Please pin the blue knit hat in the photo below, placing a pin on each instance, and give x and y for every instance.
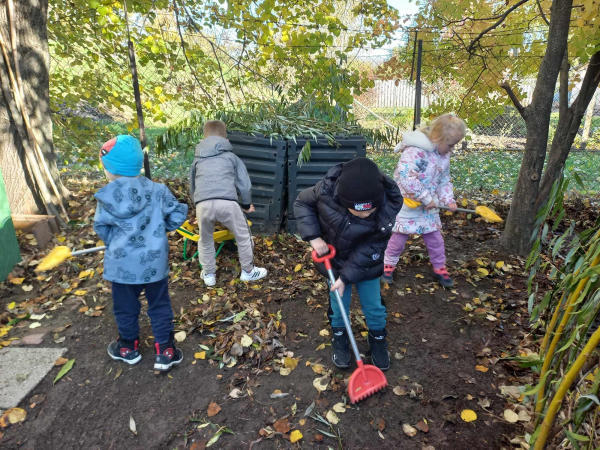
(123, 156)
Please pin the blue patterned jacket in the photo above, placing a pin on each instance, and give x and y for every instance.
(133, 216)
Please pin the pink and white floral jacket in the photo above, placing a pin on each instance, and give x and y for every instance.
(424, 175)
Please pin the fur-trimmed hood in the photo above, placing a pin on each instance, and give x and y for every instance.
(415, 139)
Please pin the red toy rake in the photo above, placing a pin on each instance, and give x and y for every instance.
(367, 379)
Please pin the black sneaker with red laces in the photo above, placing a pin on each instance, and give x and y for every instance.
(167, 356)
(124, 350)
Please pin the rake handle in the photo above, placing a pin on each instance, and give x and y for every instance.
(326, 259)
(88, 250)
(472, 211)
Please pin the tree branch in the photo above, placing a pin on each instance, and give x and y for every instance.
(200, 85)
(496, 24)
(513, 98)
(542, 12)
(563, 90)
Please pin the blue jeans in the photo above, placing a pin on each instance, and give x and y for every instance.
(127, 307)
(369, 292)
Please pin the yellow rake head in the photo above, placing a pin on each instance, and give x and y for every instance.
(488, 215)
(56, 256)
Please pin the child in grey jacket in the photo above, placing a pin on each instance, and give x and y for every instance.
(133, 216)
(216, 177)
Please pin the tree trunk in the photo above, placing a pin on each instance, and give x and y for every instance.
(519, 225)
(587, 125)
(30, 22)
(567, 129)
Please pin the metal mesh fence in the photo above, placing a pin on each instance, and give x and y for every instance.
(190, 67)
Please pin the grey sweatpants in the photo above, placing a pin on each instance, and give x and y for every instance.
(231, 216)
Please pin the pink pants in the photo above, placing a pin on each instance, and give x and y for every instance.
(435, 247)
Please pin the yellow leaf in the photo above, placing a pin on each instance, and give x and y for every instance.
(332, 417)
(499, 264)
(495, 192)
(481, 368)
(483, 272)
(180, 336)
(298, 268)
(419, 276)
(339, 408)
(511, 416)
(324, 332)
(80, 292)
(464, 202)
(295, 436)
(246, 341)
(27, 288)
(284, 372)
(364, 333)
(320, 347)
(12, 305)
(290, 363)
(200, 355)
(468, 415)
(268, 242)
(317, 368)
(61, 239)
(16, 415)
(86, 273)
(17, 280)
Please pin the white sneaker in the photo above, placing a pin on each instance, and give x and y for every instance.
(210, 279)
(255, 274)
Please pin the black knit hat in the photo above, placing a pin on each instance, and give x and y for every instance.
(360, 186)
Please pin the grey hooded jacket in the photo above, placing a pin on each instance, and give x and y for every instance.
(217, 173)
(133, 216)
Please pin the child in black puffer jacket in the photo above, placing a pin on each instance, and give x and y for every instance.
(354, 209)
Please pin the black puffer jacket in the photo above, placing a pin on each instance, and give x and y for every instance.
(360, 243)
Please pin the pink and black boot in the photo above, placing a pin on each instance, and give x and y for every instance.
(443, 277)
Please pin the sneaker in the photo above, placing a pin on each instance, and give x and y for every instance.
(126, 351)
(210, 279)
(443, 277)
(380, 356)
(167, 356)
(255, 274)
(388, 272)
(340, 348)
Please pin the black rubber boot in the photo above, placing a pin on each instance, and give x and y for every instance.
(126, 351)
(167, 355)
(380, 356)
(340, 348)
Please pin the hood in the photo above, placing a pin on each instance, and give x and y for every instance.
(126, 197)
(415, 139)
(212, 146)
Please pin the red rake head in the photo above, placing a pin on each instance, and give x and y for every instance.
(365, 381)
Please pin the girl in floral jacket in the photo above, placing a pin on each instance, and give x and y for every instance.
(423, 174)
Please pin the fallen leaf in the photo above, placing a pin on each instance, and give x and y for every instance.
(235, 393)
(332, 417)
(523, 416)
(132, 425)
(295, 436)
(61, 361)
(200, 355)
(12, 305)
(284, 371)
(468, 415)
(27, 288)
(282, 426)
(118, 374)
(17, 281)
(320, 347)
(445, 356)
(246, 341)
(484, 403)
(319, 437)
(483, 271)
(378, 424)
(419, 276)
(35, 325)
(408, 430)
(16, 415)
(380, 435)
(491, 318)
(422, 426)
(399, 391)
(86, 273)
(290, 363)
(213, 409)
(198, 445)
(482, 368)
(339, 408)
(320, 384)
(511, 416)
(318, 368)
(68, 366)
(298, 268)
(180, 336)
(80, 292)
(84, 309)
(499, 264)
(324, 332)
